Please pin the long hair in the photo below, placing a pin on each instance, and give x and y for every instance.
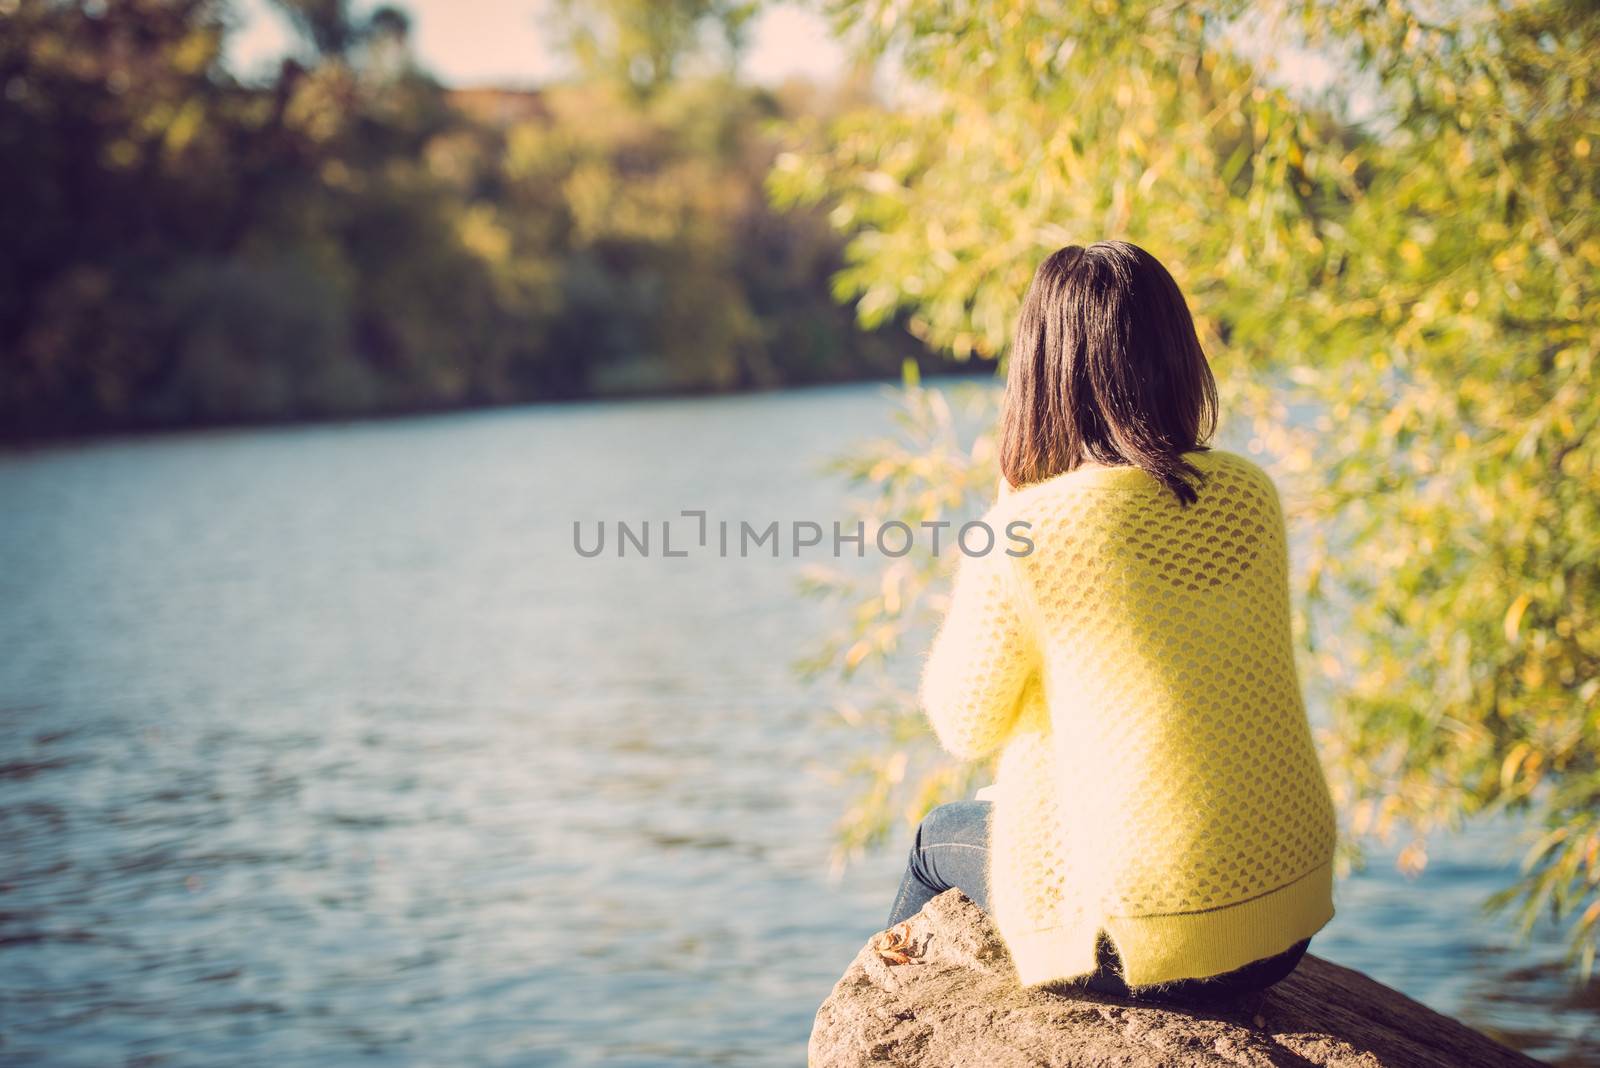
(1106, 368)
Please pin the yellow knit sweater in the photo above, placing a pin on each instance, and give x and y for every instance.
(1157, 777)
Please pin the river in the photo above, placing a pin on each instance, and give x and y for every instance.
(322, 745)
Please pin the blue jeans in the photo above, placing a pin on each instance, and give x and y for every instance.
(951, 852)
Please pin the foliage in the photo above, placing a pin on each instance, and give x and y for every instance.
(641, 44)
(934, 469)
(352, 238)
(1397, 289)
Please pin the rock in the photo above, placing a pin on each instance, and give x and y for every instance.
(957, 1003)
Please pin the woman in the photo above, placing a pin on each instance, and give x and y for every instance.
(1160, 824)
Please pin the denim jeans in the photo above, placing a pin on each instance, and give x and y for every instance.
(951, 852)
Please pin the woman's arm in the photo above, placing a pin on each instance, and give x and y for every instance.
(980, 659)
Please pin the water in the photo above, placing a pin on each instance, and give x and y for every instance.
(322, 745)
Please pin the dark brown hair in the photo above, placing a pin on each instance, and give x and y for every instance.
(1106, 367)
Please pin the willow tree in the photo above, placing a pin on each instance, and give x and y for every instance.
(1395, 279)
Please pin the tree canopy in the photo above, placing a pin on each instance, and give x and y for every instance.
(349, 237)
(1395, 279)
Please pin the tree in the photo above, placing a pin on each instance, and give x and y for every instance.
(1411, 277)
(351, 237)
(642, 44)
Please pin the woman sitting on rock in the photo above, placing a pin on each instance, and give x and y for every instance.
(1160, 825)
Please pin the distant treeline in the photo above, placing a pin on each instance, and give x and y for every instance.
(350, 238)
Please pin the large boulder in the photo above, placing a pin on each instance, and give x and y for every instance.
(950, 998)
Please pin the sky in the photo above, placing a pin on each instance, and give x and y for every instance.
(500, 42)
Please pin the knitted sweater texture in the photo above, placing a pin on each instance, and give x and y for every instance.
(1157, 778)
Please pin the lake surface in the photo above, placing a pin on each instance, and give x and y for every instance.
(323, 745)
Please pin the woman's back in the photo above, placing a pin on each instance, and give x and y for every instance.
(1174, 705)
(1158, 779)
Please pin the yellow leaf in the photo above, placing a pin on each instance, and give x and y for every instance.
(1413, 859)
(1513, 761)
(1514, 616)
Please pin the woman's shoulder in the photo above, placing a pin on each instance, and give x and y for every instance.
(1074, 498)
(1125, 478)
(1228, 458)
(1126, 486)
(1240, 466)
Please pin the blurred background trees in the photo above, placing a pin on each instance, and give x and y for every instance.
(352, 237)
(1395, 277)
